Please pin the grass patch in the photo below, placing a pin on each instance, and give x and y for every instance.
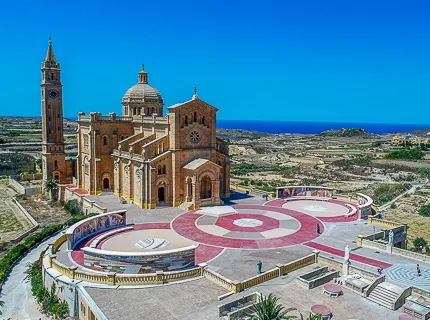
(386, 192)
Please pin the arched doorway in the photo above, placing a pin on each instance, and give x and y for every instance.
(206, 188)
(106, 184)
(161, 194)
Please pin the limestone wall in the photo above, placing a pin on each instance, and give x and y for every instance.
(139, 262)
(25, 190)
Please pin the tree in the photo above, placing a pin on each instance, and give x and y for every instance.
(425, 210)
(268, 308)
(420, 243)
(50, 186)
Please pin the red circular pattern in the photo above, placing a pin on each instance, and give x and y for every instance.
(227, 222)
(185, 225)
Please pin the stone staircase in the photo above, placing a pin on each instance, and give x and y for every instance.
(385, 294)
(186, 206)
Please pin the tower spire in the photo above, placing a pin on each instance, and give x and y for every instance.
(50, 56)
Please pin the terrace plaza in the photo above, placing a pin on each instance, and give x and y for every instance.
(169, 263)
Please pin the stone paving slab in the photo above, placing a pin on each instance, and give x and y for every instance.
(197, 299)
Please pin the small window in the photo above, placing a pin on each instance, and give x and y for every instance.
(195, 116)
(55, 164)
(186, 120)
(164, 169)
(159, 170)
(52, 76)
(203, 120)
(105, 142)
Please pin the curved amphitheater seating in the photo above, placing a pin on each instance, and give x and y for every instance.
(352, 211)
(103, 236)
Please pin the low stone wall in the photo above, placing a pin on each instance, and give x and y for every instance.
(281, 269)
(86, 205)
(394, 250)
(30, 218)
(225, 309)
(331, 263)
(25, 190)
(317, 277)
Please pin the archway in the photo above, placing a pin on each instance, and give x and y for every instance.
(205, 188)
(106, 184)
(161, 194)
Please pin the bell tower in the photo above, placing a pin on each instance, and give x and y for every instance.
(53, 155)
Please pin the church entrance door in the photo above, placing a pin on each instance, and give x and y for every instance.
(106, 183)
(161, 194)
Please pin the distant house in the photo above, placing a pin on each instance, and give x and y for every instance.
(409, 139)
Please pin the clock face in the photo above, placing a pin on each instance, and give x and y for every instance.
(195, 136)
(53, 94)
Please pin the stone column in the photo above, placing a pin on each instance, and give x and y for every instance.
(196, 194)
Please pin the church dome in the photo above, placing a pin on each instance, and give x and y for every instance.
(142, 92)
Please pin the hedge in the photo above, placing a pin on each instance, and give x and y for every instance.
(19, 250)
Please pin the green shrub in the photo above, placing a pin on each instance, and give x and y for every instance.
(425, 172)
(16, 252)
(50, 303)
(406, 154)
(386, 192)
(425, 210)
(420, 242)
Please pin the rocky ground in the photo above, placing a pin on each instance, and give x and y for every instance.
(348, 164)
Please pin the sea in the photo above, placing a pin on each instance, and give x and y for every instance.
(313, 127)
(316, 127)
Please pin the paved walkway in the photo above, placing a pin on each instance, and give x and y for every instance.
(352, 256)
(16, 293)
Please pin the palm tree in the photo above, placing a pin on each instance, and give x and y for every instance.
(50, 186)
(268, 308)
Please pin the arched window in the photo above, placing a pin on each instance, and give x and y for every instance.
(195, 116)
(55, 164)
(159, 169)
(164, 169)
(105, 141)
(186, 120)
(52, 76)
(203, 120)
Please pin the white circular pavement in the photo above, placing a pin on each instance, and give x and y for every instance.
(247, 223)
(317, 208)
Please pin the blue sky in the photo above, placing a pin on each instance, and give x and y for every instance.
(353, 61)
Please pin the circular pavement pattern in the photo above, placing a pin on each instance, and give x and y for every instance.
(317, 208)
(279, 227)
(247, 223)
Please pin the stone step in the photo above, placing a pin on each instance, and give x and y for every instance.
(380, 302)
(384, 292)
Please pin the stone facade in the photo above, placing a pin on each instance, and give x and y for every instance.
(144, 157)
(150, 160)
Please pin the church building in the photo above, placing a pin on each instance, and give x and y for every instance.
(143, 156)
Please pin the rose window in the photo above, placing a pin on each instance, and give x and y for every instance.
(195, 137)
